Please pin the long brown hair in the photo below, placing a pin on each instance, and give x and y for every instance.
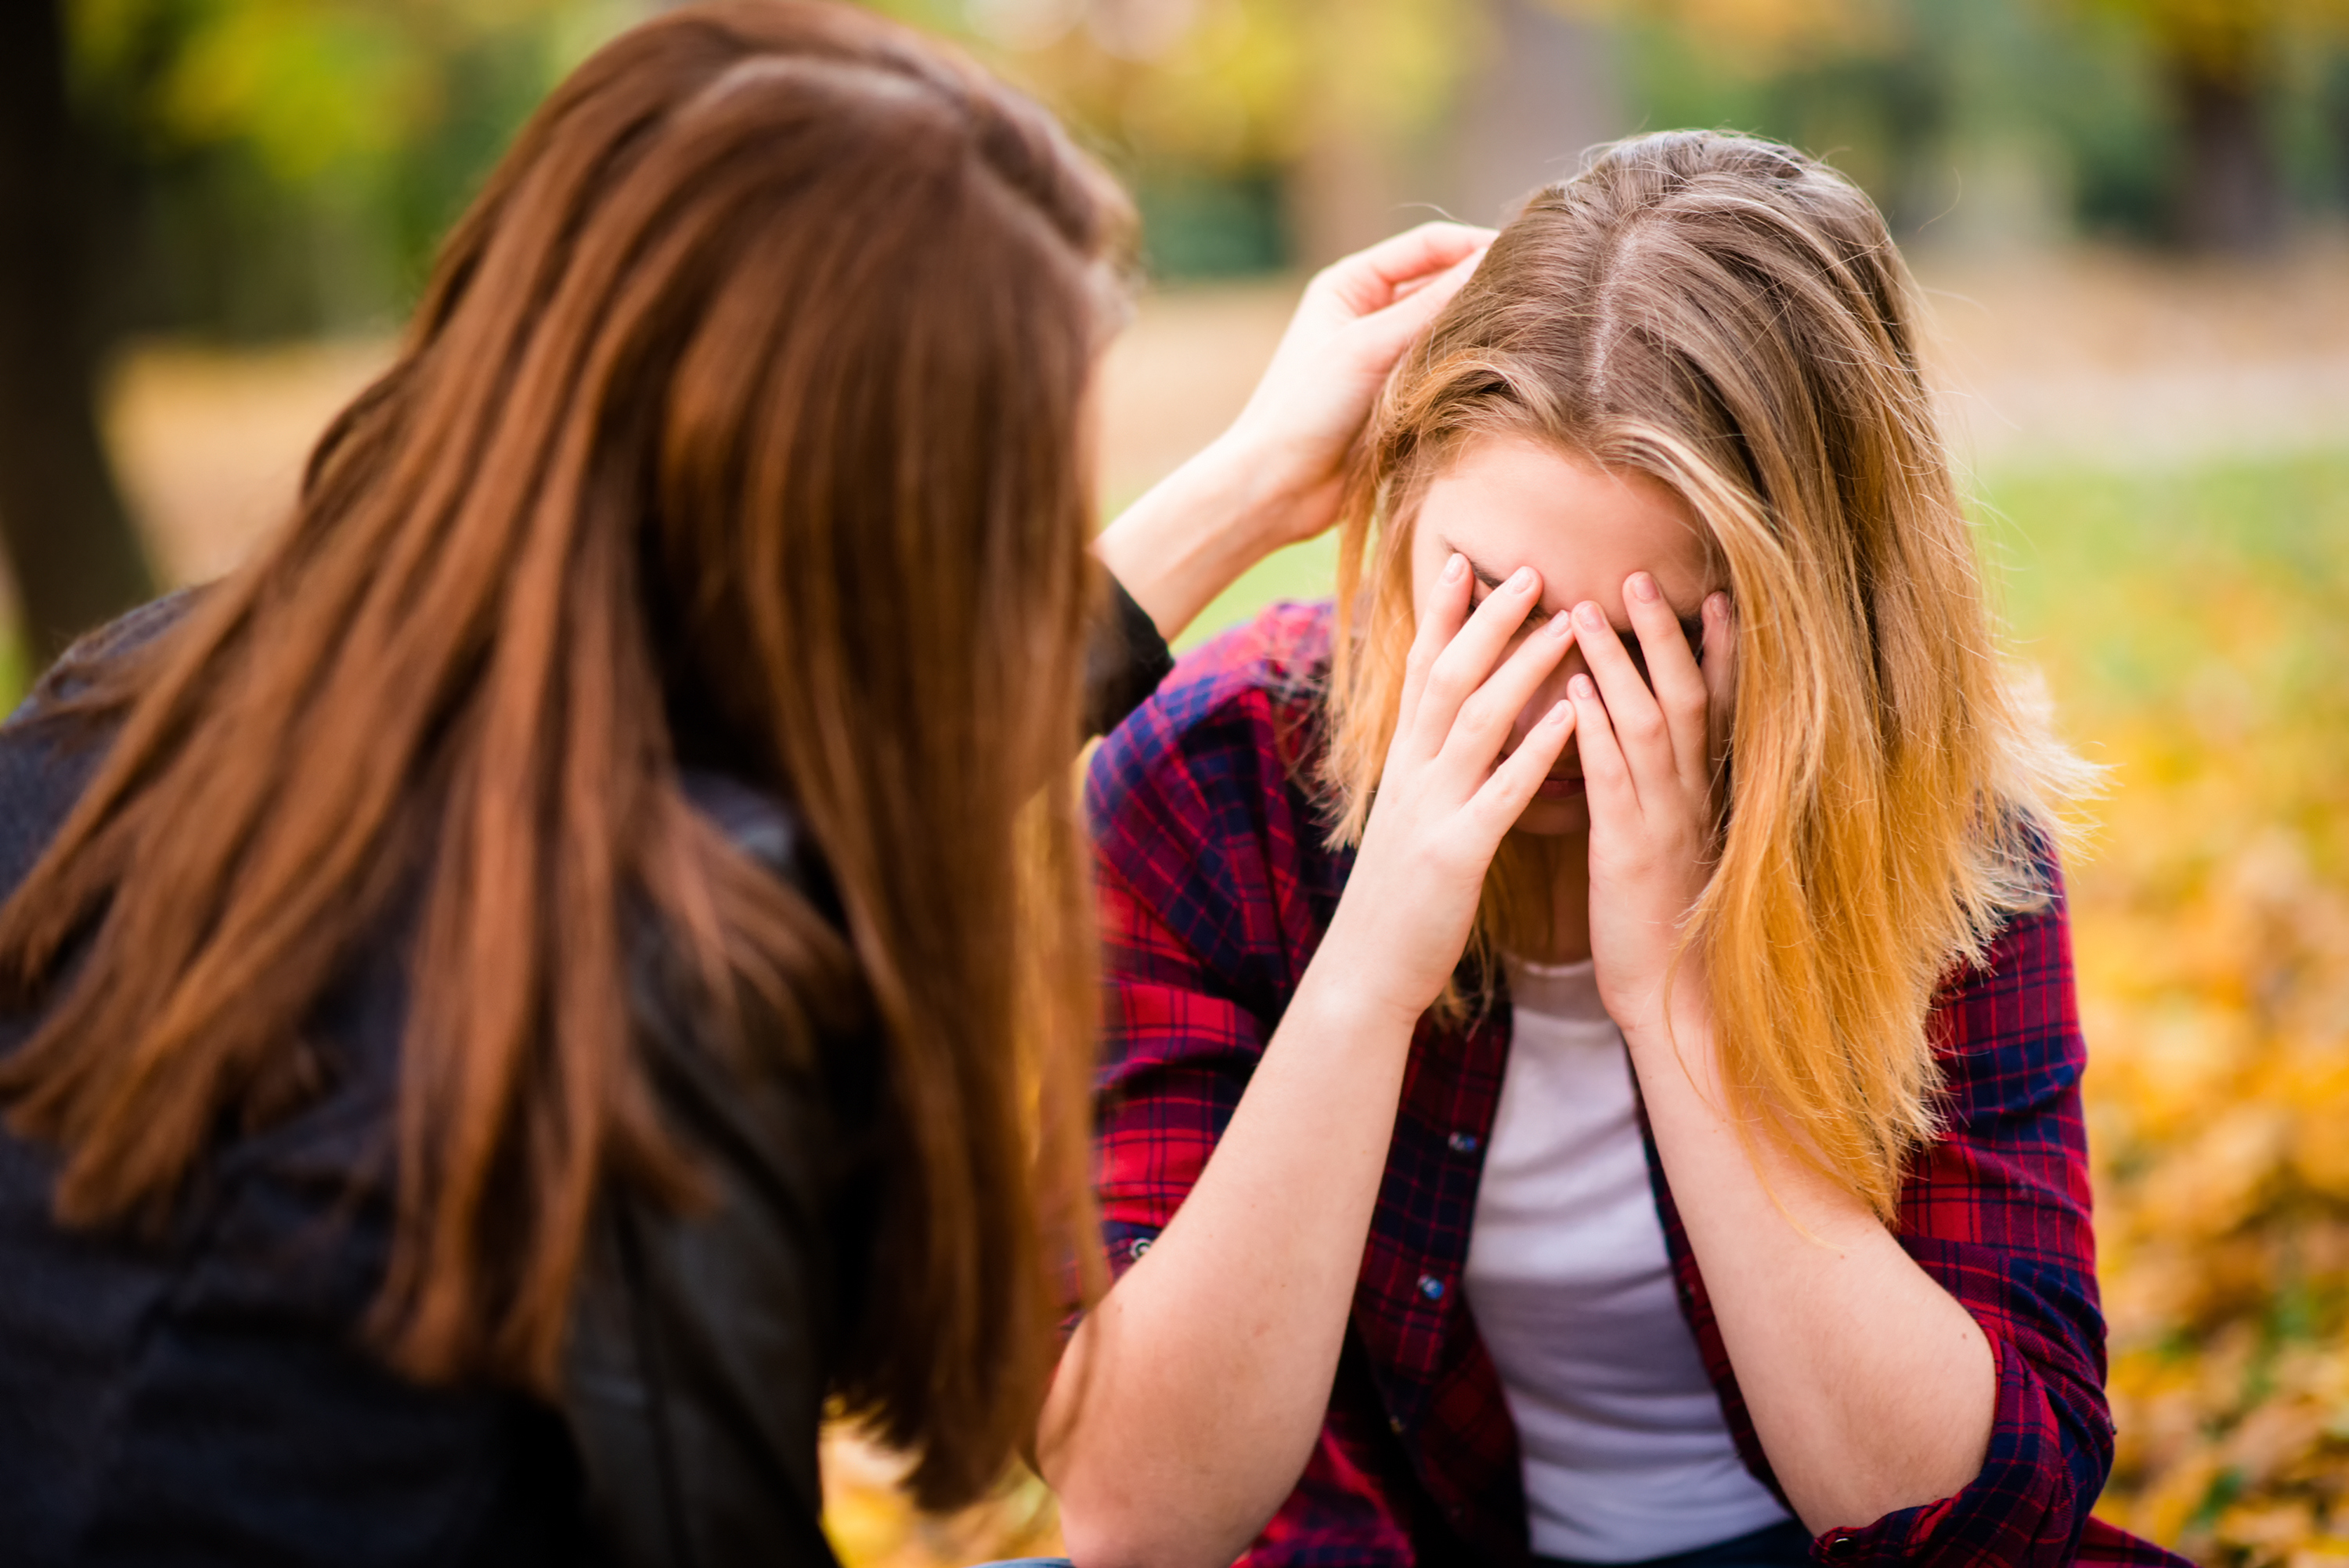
(1731, 317)
(752, 382)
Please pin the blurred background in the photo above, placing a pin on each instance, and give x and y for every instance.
(2132, 220)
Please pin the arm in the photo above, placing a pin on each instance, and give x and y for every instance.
(1996, 1213)
(1189, 1401)
(1276, 476)
(1873, 1388)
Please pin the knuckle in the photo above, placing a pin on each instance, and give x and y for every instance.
(1475, 711)
(1445, 678)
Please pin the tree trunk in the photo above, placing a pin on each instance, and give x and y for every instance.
(72, 554)
(2230, 198)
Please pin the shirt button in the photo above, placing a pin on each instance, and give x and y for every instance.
(1430, 1287)
(1462, 1142)
(1138, 1249)
(1840, 1545)
(1394, 1425)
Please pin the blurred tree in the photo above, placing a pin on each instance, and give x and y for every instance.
(289, 164)
(69, 546)
(220, 166)
(2220, 60)
(1208, 106)
(1768, 33)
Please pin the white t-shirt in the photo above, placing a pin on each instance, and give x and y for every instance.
(1626, 1453)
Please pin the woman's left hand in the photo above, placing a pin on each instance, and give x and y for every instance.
(1653, 776)
(1871, 1389)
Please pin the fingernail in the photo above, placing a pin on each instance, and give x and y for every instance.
(1581, 686)
(1560, 626)
(1716, 605)
(1521, 579)
(1643, 587)
(1559, 713)
(1590, 616)
(1454, 567)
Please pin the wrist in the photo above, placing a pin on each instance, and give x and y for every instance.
(1264, 475)
(1347, 1003)
(1674, 1026)
(1379, 962)
(1192, 534)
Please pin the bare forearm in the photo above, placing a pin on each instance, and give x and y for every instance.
(1188, 1402)
(1187, 1405)
(1871, 1389)
(1195, 532)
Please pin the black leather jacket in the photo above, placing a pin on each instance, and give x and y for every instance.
(203, 1397)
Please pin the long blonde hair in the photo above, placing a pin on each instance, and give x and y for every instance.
(1732, 317)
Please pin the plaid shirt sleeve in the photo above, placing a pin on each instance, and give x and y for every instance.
(1202, 877)
(1998, 1213)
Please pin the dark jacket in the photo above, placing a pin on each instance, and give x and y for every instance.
(205, 1395)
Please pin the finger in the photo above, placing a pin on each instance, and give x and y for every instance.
(1368, 280)
(1491, 711)
(1440, 621)
(1672, 674)
(1503, 798)
(1468, 660)
(1606, 776)
(1385, 334)
(1719, 680)
(1633, 717)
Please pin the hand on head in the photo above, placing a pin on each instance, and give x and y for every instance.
(1277, 475)
(1356, 317)
(1652, 764)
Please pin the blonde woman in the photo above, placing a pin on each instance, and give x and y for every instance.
(1592, 1068)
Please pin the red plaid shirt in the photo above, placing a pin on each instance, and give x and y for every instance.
(1216, 887)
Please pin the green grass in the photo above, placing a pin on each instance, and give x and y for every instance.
(2146, 589)
(12, 678)
(1306, 570)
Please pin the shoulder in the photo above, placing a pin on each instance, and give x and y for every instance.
(1237, 714)
(1209, 831)
(764, 827)
(49, 748)
(2007, 1029)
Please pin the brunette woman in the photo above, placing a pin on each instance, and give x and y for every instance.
(514, 999)
(1727, 1202)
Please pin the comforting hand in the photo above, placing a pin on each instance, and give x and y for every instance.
(1447, 795)
(1356, 317)
(1276, 476)
(1651, 770)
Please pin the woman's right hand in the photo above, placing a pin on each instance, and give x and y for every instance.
(1189, 1401)
(1276, 476)
(1448, 794)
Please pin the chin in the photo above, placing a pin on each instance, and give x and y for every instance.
(1555, 818)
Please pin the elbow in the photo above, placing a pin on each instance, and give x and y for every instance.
(1098, 1539)
(1123, 1533)
(1094, 1539)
